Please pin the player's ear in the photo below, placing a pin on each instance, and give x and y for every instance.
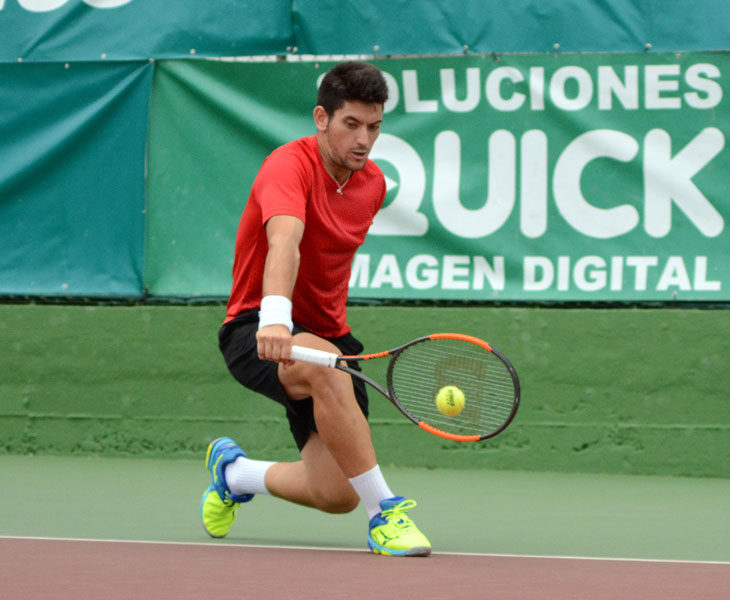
(321, 118)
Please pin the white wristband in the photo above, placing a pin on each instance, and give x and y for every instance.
(275, 310)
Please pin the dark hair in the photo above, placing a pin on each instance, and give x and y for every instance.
(351, 80)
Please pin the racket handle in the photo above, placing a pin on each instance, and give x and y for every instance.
(316, 357)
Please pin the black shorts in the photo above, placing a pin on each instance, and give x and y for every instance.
(237, 342)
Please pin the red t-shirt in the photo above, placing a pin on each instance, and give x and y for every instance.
(293, 181)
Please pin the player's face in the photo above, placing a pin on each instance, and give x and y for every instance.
(347, 137)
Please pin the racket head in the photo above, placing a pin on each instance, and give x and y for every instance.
(486, 378)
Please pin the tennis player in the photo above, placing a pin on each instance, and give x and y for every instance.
(308, 211)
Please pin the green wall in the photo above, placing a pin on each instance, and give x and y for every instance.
(604, 390)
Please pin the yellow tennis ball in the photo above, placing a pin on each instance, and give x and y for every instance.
(450, 400)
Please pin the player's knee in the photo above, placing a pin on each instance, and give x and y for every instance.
(331, 387)
(337, 503)
(341, 506)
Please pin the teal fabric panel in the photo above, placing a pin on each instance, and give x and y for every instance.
(399, 27)
(72, 188)
(41, 30)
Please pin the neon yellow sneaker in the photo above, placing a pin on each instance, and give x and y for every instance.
(218, 506)
(217, 516)
(393, 533)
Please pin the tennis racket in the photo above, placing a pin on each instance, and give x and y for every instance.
(422, 377)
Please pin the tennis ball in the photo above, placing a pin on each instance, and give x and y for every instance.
(450, 400)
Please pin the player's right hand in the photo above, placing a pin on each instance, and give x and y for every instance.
(274, 343)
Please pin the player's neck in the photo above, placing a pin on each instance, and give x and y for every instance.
(339, 174)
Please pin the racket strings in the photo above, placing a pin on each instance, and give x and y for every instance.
(421, 370)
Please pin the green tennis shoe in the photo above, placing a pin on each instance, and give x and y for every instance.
(218, 506)
(217, 516)
(393, 533)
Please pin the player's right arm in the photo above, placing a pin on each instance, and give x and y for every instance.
(284, 234)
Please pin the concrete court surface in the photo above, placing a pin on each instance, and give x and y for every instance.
(466, 511)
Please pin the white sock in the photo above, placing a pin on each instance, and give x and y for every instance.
(246, 476)
(372, 488)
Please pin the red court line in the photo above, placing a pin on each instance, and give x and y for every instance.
(60, 569)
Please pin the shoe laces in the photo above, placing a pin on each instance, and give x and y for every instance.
(397, 516)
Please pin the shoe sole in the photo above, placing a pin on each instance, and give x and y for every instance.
(415, 551)
(202, 502)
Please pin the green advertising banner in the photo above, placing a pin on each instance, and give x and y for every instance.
(512, 177)
(211, 126)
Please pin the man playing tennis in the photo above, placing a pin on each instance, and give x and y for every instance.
(308, 211)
